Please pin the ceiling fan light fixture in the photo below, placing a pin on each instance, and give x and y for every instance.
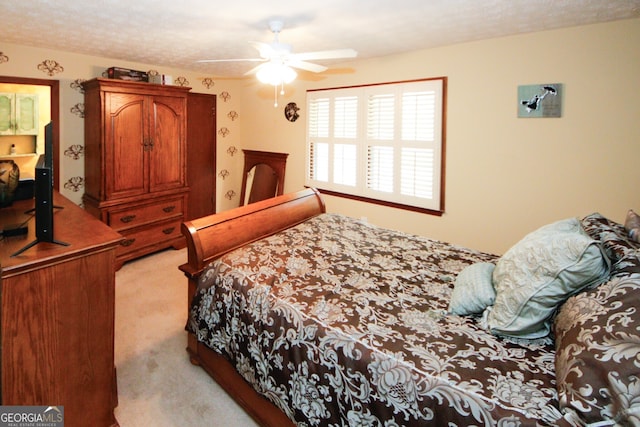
(278, 62)
(276, 74)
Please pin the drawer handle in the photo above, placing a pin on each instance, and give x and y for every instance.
(168, 230)
(168, 209)
(127, 242)
(127, 218)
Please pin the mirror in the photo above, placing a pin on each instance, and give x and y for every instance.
(263, 175)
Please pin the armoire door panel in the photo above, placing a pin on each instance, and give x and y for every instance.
(125, 136)
(167, 157)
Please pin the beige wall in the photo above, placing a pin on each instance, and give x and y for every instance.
(504, 176)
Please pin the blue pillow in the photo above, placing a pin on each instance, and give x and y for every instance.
(473, 290)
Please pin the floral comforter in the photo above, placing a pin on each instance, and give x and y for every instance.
(340, 323)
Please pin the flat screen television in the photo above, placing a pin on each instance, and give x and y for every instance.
(43, 194)
(43, 189)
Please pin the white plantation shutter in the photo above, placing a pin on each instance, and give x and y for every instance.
(417, 172)
(344, 164)
(318, 132)
(380, 169)
(345, 129)
(380, 134)
(418, 169)
(319, 165)
(418, 116)
(381, 142)
(319, 118)
(380, 117)
(346, 117)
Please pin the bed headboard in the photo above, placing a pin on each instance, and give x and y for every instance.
(212, 236)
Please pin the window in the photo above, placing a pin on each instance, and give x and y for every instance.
(381, 143)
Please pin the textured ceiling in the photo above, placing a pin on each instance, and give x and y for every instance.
(178, 33)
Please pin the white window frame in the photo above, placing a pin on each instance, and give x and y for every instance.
(330, 128)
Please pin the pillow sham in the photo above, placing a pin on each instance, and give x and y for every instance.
(473, 290)
(597, 360)
(632, 225)
(538, 274)
(613, 236)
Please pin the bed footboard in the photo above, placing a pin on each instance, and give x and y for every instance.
(209, 238)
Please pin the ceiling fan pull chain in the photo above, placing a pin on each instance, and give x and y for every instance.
(275, 96)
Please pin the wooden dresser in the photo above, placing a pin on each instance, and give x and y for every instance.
(135, 162)
(57, 330)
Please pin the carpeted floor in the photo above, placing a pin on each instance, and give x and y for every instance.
(157, 385)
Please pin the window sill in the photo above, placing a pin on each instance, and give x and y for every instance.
(381, 202)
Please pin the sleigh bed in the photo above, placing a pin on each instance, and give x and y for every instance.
(308, 318)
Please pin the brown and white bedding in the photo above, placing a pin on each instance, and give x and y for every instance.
(341, 323)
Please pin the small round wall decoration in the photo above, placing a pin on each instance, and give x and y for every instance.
(291, 112)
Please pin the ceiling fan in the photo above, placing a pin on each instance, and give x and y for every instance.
(278, 60)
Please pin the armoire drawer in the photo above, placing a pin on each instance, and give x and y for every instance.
(152, 212)
(153, 235)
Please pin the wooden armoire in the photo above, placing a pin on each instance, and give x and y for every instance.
(135, 162)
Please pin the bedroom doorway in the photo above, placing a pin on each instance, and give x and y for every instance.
(51, 88)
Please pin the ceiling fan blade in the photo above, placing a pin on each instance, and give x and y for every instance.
(327, 54)
(233, 60)
(308, 66)
(265, 49)
(254, 70)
